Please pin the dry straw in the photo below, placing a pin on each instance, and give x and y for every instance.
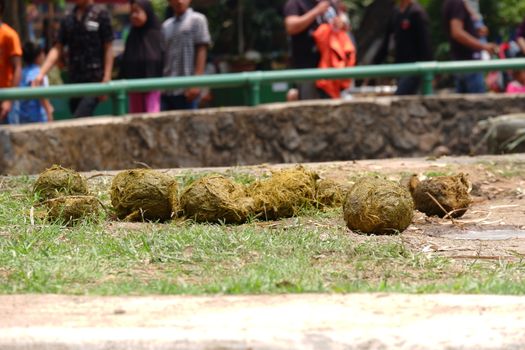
(284, 194)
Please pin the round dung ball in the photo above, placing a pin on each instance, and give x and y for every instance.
(330, 193)
(58, 181)
(378, 206)
(451, 192)
(215, 199)
(143, 194)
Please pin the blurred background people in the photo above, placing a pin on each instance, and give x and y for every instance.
(301, 19)
(143, 55)
(465, 44)
(336, 50)
(10, 61)
(88, 35)
(409, 26)
(35, 110)
(517, 84)
(187, 39)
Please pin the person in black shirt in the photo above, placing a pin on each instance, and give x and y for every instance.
(465, 43)
(301, 19)
(88, 35)
(410, 28)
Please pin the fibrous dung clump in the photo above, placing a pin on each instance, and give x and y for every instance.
(378, 206)
(284, 194)
(143, 194)
(72, 209)
(451, 192)
(330, 193)
(57, 181)
(215, 199)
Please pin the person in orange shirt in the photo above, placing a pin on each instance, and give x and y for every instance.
(10, 61)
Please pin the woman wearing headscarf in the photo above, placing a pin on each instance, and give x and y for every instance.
(143, 55)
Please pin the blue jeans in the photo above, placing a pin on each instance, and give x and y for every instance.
(83, 107)
(408, 85)
(470, 83)
(308, 91)
(170, 103)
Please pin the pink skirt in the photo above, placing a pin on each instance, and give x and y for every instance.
(144, 102)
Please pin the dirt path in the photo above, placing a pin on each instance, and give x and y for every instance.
(373, 321)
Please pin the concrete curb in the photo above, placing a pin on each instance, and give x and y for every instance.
(308, 321)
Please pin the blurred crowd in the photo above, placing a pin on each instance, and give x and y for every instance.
(320, 36)
(408, 32)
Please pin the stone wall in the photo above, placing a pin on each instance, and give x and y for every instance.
(296, 132)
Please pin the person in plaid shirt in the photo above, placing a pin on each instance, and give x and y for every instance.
(187, 39)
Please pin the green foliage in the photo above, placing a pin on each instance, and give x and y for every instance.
(502, 16)
(437, 173)
(439, 38)
(265, 27)
(356, 10)
(262, 24)
(160, 8)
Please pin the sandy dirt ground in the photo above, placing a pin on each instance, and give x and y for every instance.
(493, 228)
(358, 321)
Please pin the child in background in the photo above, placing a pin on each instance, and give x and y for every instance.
(517, 85)
(31, 111)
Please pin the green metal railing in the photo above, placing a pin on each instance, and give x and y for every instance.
(253, 80)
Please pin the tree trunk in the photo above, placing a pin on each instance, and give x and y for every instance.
(14, 15)
(373, 29)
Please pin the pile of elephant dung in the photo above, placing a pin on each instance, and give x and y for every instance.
(144, 194)
(330, 193)
(72, 209)
(216, 199)
(378, 206)
(284, 193)
(442, 195)
(57, 181)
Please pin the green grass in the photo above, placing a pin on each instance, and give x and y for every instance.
(310, 253)
(437, 173)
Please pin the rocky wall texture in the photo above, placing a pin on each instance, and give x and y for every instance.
(279, 133)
